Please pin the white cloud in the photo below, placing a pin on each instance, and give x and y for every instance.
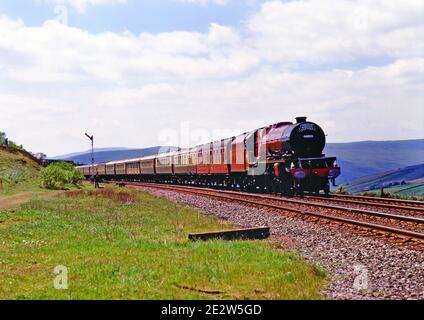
(58, 82)
(327, 30)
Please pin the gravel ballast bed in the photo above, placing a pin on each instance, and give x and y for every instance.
(354, 262)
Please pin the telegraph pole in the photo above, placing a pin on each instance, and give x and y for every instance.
(92, 154)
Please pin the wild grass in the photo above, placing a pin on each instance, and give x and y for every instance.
(125, 244)
(414, 192)
(17, 173)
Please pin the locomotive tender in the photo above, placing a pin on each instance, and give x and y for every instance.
(285, 158)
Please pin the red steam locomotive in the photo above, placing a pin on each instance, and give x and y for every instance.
(282, 158)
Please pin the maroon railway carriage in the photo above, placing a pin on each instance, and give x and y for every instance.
(204, 153)
(220, 164)
(147, 165)
(185, 164)
(100, 169)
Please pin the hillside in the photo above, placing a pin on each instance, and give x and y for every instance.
(17, 172)
(359, 159)
(409, 178)
(76, 154)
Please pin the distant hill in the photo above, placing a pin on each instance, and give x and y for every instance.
(358, 159)
(400, 179)
(114, 154)
(76, 154)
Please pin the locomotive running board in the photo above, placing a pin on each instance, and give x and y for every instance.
(242, 234)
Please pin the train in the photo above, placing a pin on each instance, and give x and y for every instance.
(285, 158)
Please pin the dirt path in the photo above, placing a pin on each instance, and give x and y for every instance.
(7, 202)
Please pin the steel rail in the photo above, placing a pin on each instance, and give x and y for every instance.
(368, 203)
(348, 196)
(222, 195)
(353, 210)
(322, 205)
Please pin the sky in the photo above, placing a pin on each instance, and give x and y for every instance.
(183, 72)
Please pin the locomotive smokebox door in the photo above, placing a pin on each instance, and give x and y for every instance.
(307, 140)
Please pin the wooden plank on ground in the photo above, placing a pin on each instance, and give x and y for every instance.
(242, 234)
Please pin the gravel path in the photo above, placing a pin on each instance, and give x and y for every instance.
(360, 267)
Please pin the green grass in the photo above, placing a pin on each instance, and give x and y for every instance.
(416, 190)
(131, 245)
(410, 191)
(17, 173)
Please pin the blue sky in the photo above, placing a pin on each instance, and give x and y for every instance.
(137, 15)
(185, 72)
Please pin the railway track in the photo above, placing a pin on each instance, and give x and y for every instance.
(406, 208)
(408, 228)
(381, 201)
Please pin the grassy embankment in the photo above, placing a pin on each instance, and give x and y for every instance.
(17, 173)
(125, 244)
(407, 192)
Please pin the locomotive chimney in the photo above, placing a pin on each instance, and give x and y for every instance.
(300, 119)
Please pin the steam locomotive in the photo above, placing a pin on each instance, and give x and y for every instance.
(282, 158)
